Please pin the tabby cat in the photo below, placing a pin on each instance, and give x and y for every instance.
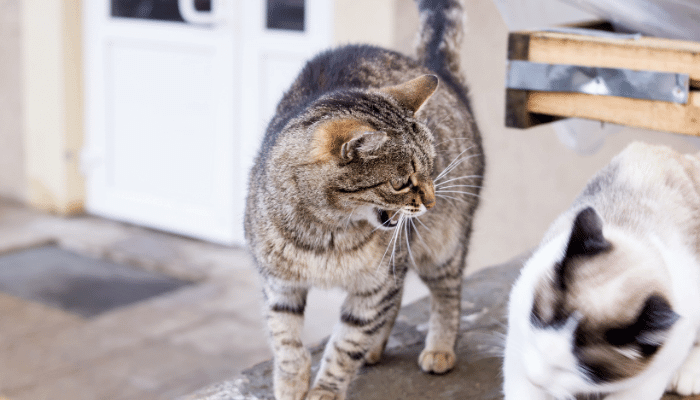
(609, 304)
(371, 165)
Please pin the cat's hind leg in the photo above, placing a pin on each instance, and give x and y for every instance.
(445, 284)
(686, 380)
(284, 313)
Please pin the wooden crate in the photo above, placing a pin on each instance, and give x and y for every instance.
(528, 108)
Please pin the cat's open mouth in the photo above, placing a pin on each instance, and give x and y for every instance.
(385, 219)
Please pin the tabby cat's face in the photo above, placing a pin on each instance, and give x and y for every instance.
(384, 172)
(379, 164)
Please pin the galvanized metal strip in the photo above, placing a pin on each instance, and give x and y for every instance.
(647, 85)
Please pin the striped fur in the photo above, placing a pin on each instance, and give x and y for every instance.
(608, 304)
(371, 166)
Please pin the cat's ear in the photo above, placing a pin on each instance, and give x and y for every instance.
(587, 235)
(650, 330)
(414, 93)
(362, 146)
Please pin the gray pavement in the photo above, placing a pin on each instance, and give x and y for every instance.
(397, 376)
(161, 348)
(476, 376)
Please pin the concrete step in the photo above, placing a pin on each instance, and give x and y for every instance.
(477, 375)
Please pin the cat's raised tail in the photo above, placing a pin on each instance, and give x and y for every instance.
(440, 36)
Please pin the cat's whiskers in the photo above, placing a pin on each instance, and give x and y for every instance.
(451, 165)
(392, 241)
(459, 186)
(457, 198)
(385, 224)
(396, 238)
(450, 197)
(458, 160)
(456, 191)
(439, 184)
(450, 169)
(415, 229)
(408, 244)
(424, 226)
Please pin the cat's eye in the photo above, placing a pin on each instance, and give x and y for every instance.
(401, 184)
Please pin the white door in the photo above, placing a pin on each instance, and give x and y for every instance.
(176, 102)
(273, 54)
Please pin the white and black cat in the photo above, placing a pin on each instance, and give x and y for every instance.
(609, 304)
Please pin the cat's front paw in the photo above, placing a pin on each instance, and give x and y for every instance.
(436, 361)
(686, 381)
(291, 389)
(375, 355)
(321, 394)
(291, 378)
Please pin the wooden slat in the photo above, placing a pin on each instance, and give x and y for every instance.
(525, 109)
(656, 115)
(517, 113)
(650, 54)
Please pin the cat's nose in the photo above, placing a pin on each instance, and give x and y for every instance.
(427, 195)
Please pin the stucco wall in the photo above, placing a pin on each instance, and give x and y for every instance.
(12, 181)
(364, 21)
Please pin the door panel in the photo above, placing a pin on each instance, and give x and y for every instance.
(176, 104)
(167, 112)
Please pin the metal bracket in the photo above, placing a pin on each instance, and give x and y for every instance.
(647, 85)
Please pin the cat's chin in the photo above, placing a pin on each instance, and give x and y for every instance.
(385, 220)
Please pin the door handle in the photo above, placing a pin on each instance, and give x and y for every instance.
(193, 16)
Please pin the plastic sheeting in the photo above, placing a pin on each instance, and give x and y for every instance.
(537, 14)
(673, 19)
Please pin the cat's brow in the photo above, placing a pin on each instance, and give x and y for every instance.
(361, 188)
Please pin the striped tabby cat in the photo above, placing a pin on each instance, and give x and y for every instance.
(371, 165)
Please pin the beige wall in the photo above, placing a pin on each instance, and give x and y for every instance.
(12, 181)
(52, 92)
(531, 176)
(364, 21)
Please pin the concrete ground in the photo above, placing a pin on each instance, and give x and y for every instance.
(160, 348)
(477, 375)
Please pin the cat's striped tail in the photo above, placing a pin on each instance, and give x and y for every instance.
(440, 36)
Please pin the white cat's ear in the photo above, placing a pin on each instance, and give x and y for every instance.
(587, 235)
(363, 146)
(414, 93)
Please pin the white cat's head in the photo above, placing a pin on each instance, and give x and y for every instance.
(589, 313)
